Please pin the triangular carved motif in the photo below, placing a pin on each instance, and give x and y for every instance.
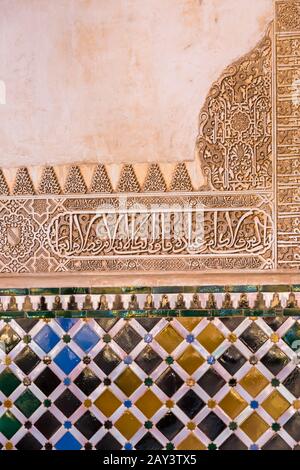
(4, 191)
(100, 181)
(49, 183)
(154, 180)
(75, 183)
(23, 185)
(128, 182)
(181, 180)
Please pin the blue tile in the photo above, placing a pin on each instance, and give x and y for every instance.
(66, 323)
(68, 442)
(46, 338)
(86, 338)
(67, 360)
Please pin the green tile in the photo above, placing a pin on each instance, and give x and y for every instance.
(210, 289)
(136, 290)
(44, 291)
(168, 290)
(106, 290)
(27, 403)
(9, 424)
(14, 292)
(8, 382)
(275, 288)
(74, 290)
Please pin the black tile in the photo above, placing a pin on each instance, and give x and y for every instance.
(107, 360)
(8, 339)
(232, 323)
(87, 381)
(191, 404)
(148, 360)
(148, 442)
(47, 381)
(292, 382)
(274, 322)
(275, 360)
(106, 323)
(148, 323)
(27, 360)
(253, 337)
(232, 360)
(28, 442)
(127, 338)
(88, 424)
(233, 443)
(26, 323)
(292, 427)
(169, 426)
(276, 443)
(108, 442)
(211, 382)
(67, 403)
(212, 426)
(169, 382)
(47, 424)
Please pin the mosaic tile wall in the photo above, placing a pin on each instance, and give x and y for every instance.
(149, 383)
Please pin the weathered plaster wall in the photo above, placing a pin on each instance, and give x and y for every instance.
(114, 80)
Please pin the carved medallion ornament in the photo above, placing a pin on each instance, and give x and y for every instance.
(246, 215)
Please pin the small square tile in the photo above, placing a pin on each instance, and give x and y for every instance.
(47, 424)
(87, 381)
(88, 424)
(169, 382)
(233, 404)
(127, 338)
(212, 426)
(107, 360)
(211, 382)
(232, 360)
(86, 338)
(169, 339)
(254, 426)
(254, 337)
(67, 403)
(191, 404)
(27, 360)
(128, 425)
(67, 360)
(148, 360)
(47, 381)
(46, 338)
(169, 425)
(275, 404)
(128, 381)
(275, 360)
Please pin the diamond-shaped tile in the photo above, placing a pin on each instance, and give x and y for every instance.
(106, 323)
(211, 382)
(254, 426)
(46, 338)
(26, 323)
(9, 424)
(191, 404)
(253, 337)
(148, 403)
(169, 382)
(212, 426)
(189, 323)
(232, 323)
(254, 382)
(233, 443)
(28, 442)
(210, 338)
(8, 382)
(169, 339)
(47, 381)
(68, 442)
(27, 360)
(191, 442)
(148, 323)
(128, 381)
(275, 322)
(107, 403)
(292, 336)
(67, 402)
(107, 360)
(233, 404)
(47, 424)
(275, 360)
(108, 442)
(86, 338)
(232, 360)
(87, 381)
(292, 426)
(127, 338)
(148, 360)
(128, 425)
(275, 404)
(8, 339)
(190, 360)
(67, 360)
(169, 425)
(88, 424)
(27, 403)
(66, 323)
(276, 443)
(148, 442)
(292, 382)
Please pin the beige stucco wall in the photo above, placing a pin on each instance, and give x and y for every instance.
(114, 80)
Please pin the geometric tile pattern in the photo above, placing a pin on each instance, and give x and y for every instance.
(149, 383)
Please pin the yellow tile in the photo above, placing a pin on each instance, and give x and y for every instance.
(148, 404)
(210, 338)
(128, 425)
(254, 382)
(108, 403)
(191, 442)
(233, 404)
(190, 360)
(128, 381)
(169, 338)
(189, 323)
(254, 426)
(275, 404)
